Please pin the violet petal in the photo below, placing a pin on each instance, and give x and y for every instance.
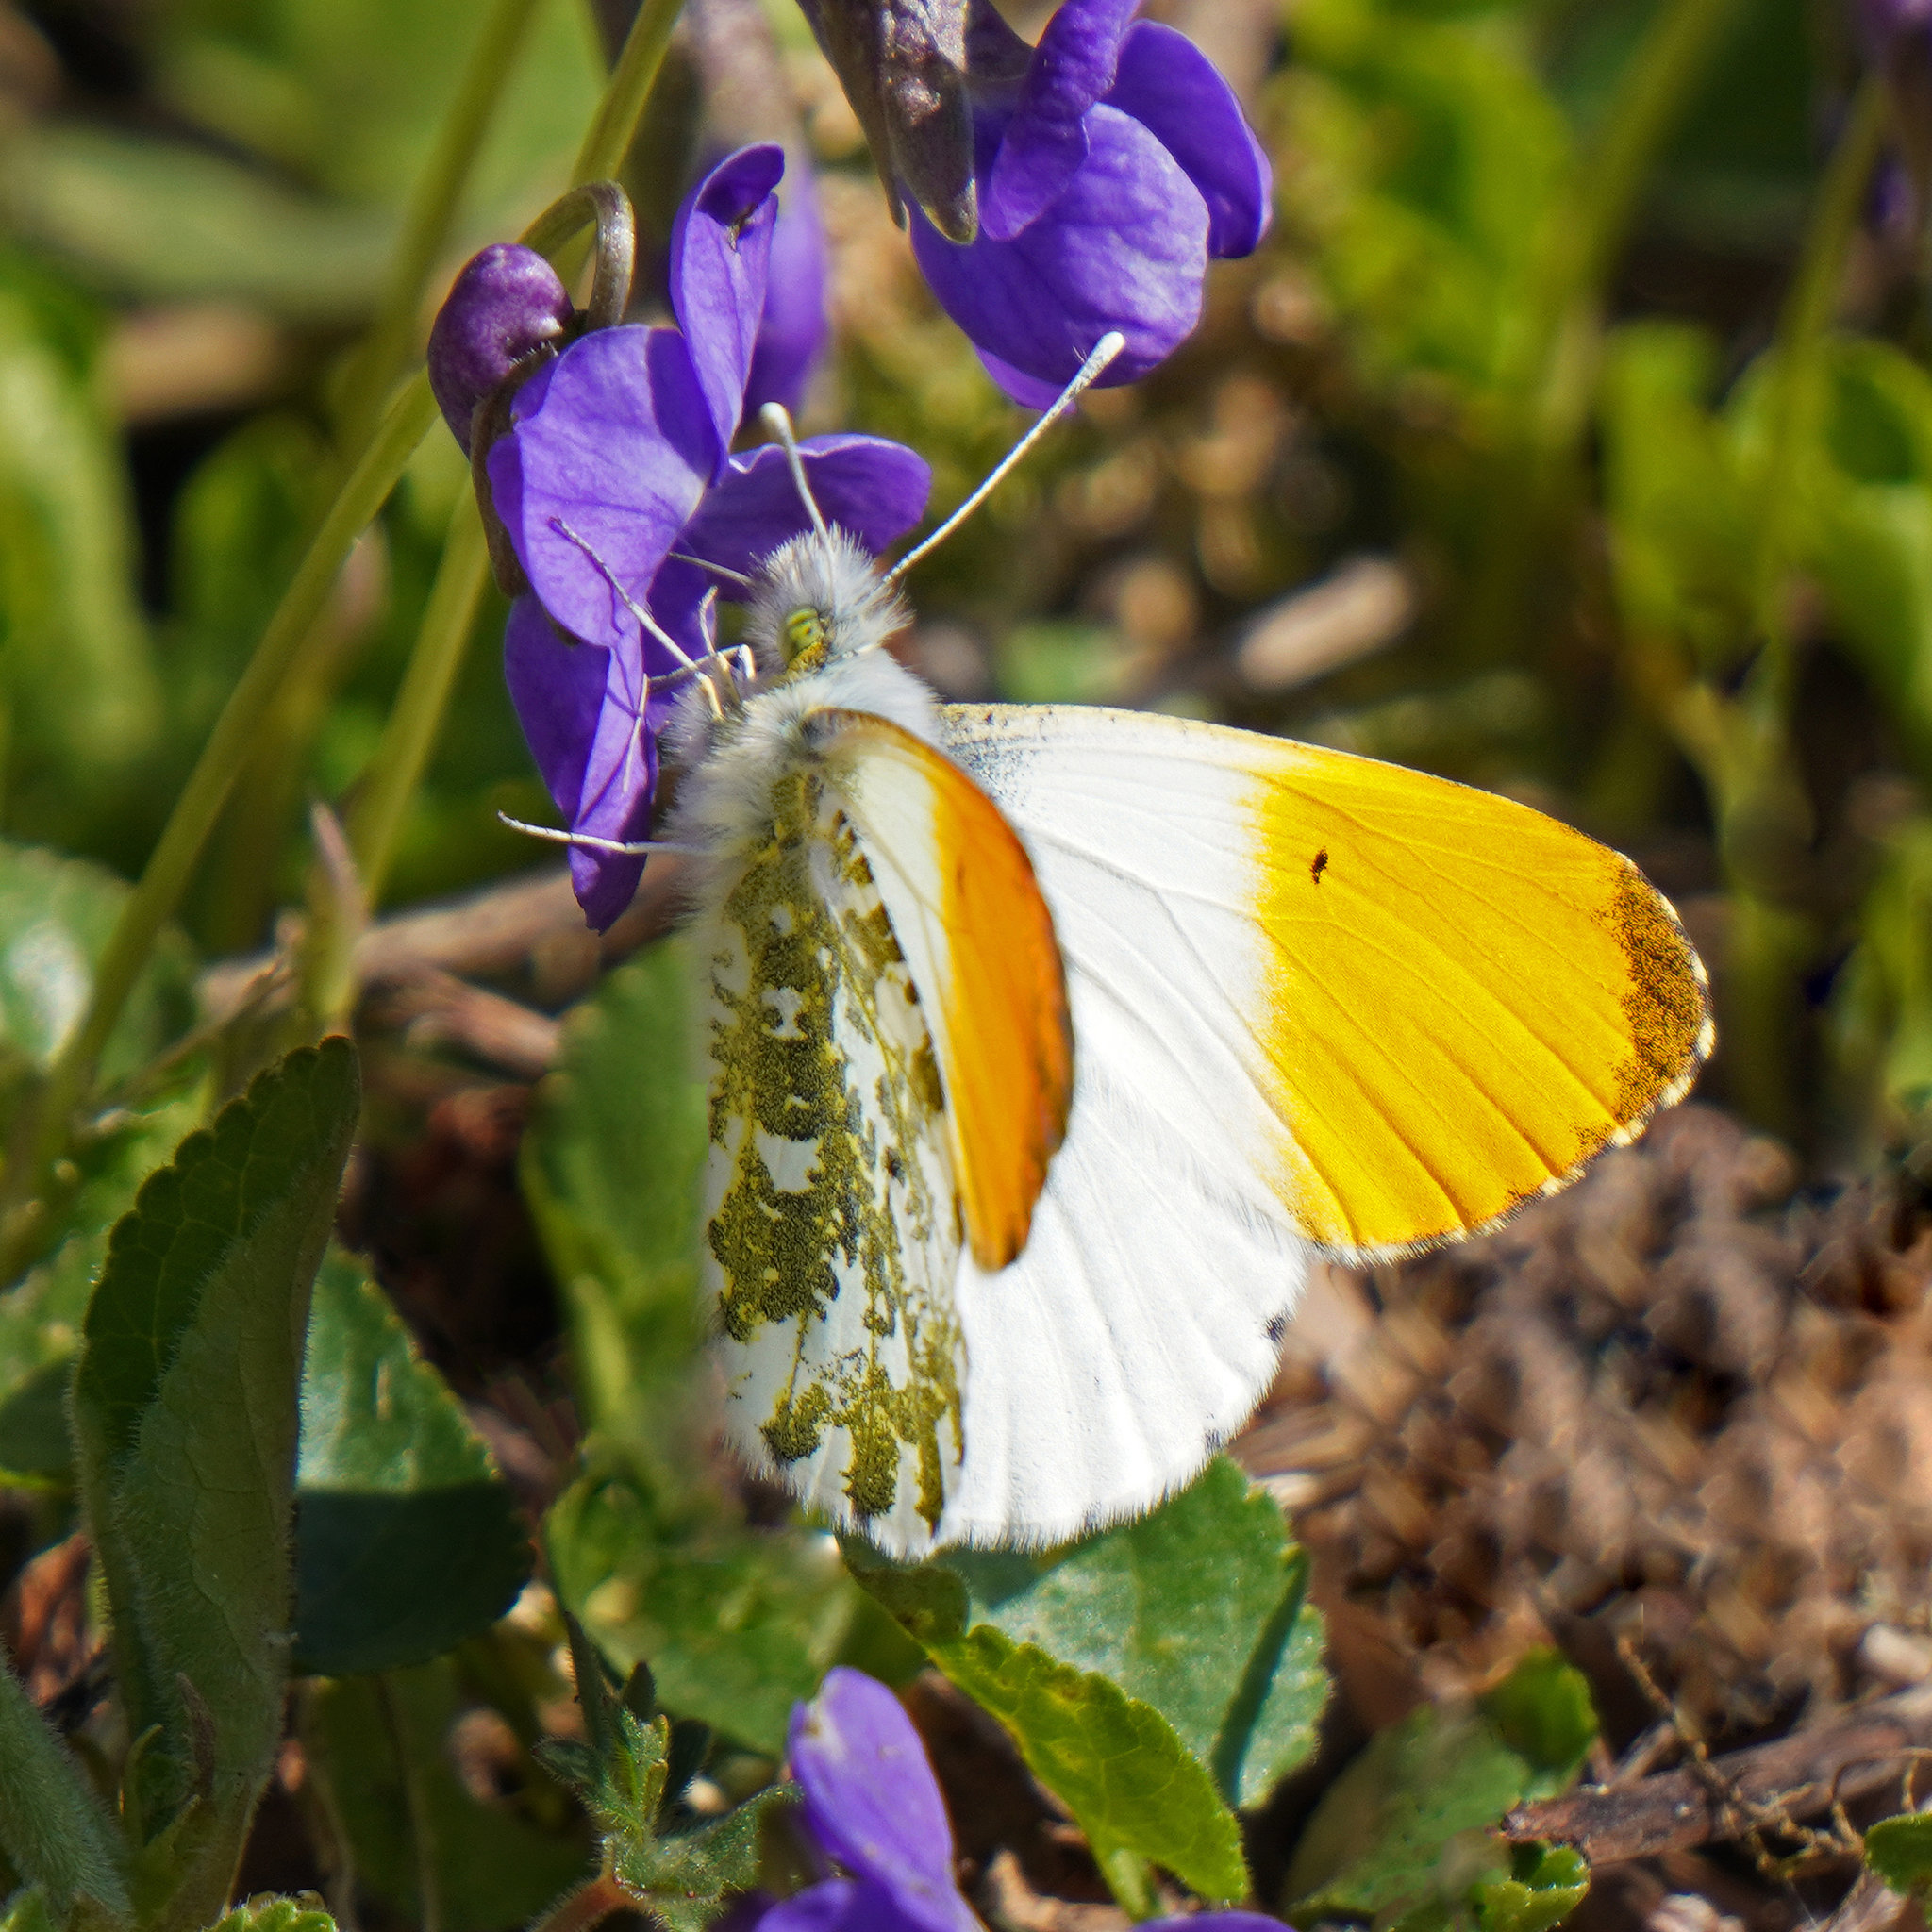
(1167, 85)
(578, 706)
(1125, 247)
(874, 489)
(996, 56)
(1217, 1921)
(871, 1799)
(1045, 142)
(504, 304)
(838, 1905)
(1028, 390)
(721, 250)
(793, 328)
(613, 443)
(558, 690)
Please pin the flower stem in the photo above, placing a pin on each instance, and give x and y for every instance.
(428, 219)
(364, 490)
(1553, 373)
(1763, 814)
(578, 1910)
(228, 748)
(374, 818)
(608, 137)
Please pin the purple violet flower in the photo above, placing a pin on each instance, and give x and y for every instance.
(618, 456)
(872, 1806)
(1112, 160)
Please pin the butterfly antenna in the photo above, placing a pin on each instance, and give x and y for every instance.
(736, 577)
(778, 419)
(1108, 346)
(641, 848)
(644, 617)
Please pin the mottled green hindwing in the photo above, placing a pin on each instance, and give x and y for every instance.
(834, 1219)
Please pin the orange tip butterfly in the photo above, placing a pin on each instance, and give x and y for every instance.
(1049, 1045)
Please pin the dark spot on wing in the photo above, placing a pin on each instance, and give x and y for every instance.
(1320, 866)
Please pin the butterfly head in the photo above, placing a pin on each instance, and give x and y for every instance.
(820, 598)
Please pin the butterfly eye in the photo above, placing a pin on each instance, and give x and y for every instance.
(803, 639)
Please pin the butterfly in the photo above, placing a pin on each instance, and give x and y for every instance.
(1049, 1047)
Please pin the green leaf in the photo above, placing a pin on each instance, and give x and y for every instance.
(1117, 1763)
(28, 1911)
(270, 1913)
(55, 915)
(186, 1419)
(686, 1877)
(1236, 1670)
(76, 668)
(627, 1777)
(381, 1749)
(1409, 1820)
(736, 1624)
(51, 1827)
(1899, 1851)
(1544, 1711)
(40, 1315)
(611, 1167)
(1547, 1885)
(1114, 1762)
(164, 221)
(407, 1542)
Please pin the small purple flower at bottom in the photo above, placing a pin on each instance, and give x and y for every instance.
(1112, 160)
(871, 1805)
(616, 487)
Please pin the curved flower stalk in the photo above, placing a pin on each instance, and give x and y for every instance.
(873, 1807)
(1111, 163)
(616, 489)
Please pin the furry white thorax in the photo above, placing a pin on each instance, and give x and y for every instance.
(728, 765)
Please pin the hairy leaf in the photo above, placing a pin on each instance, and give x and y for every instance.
(270, 1913)
(51, 1827)
(185, 1411)
(407, 1542)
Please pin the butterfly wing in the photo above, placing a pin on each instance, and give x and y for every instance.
(892, 1071)
(1321, 1003)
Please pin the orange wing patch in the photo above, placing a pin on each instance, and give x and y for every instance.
(1002, 1031)
(1465, 1000)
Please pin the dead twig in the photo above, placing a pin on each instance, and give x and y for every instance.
(1796, 1776)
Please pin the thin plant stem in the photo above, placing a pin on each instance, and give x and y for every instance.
(375, 819)
(428, 217)
(1803, 326)
(608, 136)
(171, 865)
(588, 1906)
(1554, 368)
(1760, 806)
(415, 1806)
(153, 902)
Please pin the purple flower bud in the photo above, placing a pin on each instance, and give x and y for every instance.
(507, 303)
